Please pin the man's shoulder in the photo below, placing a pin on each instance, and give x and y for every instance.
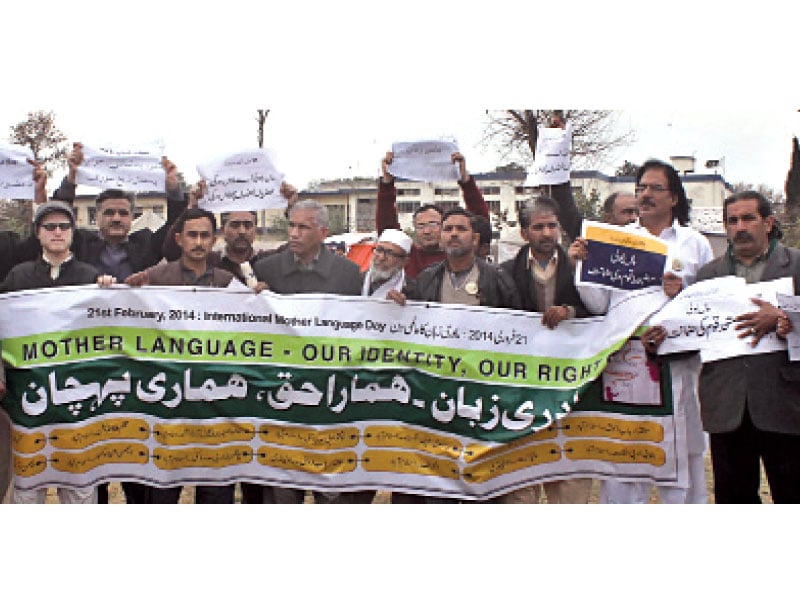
(712, 268)
(164, 268)
(221, 276)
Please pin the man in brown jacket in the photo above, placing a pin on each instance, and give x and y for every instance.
(195, 236)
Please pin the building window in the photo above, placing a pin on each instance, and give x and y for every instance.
(408, 206)
(408, 192)
(446, 191)
(92, 215)
(491, 190)
(445, 206)
(494, 206)
(158, 211)
(527, 189)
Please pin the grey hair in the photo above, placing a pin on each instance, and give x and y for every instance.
(321, 217)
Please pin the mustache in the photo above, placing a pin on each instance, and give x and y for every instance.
(647, 202)
(743, 236)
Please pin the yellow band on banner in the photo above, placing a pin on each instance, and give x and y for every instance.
(629, 240)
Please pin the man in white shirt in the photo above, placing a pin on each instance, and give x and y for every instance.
(664, 213)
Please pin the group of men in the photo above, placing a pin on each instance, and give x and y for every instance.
(749, 405)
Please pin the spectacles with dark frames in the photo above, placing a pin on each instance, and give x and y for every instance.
(54, 226)
(654, 187)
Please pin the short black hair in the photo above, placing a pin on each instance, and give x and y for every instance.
(114, 194)
(190, 214)
(764, 209)
(535, 205)
(458, 210)
(227, 215)
(608, 205)
(425, 207)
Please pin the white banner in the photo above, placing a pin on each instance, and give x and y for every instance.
(424, 161)
(172, 385)
(791, 306)
(703, 316)
(16, 174)
(246, 180)
(133, 169)
(552, 162)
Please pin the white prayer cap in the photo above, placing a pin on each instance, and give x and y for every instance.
(395, 236)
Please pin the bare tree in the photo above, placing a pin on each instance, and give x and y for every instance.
(39, 133)
(514, 132)
(261, 118)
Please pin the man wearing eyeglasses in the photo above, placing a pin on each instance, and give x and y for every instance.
(426, 250)
(113, 250)
(54, 225)
(389, 257)
(664, 213)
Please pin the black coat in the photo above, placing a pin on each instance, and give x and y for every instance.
(35, 274)
(767, 384)
(495, 287)
(566, 294)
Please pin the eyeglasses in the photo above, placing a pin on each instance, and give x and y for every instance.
(381, 251)
(238, 224)
(54, 226)
(655, 188)
(110, 212)
(427, 224)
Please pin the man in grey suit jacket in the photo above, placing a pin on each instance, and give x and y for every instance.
(750, 404)
(306, 266)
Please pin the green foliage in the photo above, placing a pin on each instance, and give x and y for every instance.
(592, 207)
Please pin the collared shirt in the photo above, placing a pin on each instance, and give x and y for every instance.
(753, 272)
(203, 280)
(309, 266)
(688, 250)
(544, 280)
(114, 260)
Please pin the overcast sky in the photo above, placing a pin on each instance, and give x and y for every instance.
(341, 86)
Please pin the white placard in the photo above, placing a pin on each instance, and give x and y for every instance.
(16, 174)
(133, 168)
(702, 317)
(552, 162)
(427, 160)
(791, 306)
(246, 180)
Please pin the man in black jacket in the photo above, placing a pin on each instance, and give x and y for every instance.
(545, 279)
(461, 279)
(56, 267)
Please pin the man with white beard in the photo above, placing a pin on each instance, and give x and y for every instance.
(389, 258)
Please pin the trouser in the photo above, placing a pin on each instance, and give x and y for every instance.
(138, 493)
(564, 491)
(65, 496)
(736, 458)
(5, 454)
(255, 493)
